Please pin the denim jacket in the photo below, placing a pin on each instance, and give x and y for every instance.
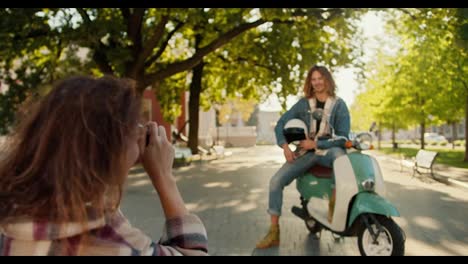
(339, 121)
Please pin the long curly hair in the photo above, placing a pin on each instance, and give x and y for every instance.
(329, 82)
(69, 153)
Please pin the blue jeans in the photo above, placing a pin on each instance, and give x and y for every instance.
(290, 171)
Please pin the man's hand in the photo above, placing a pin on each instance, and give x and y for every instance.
(308, 144)
(288, 154)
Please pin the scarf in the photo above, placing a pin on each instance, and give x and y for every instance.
(325, 128)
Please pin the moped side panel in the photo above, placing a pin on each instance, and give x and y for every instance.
(366, 167)
(367, 202)
(310, 186)
(379, 181)
(362, 167)
(346, 189)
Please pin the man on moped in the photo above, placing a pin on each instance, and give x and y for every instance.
(319, 90)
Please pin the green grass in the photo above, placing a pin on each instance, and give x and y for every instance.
(446, 156)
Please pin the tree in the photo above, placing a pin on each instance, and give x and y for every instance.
(33, 57)
(271, 56)
(138, 43)
(385, 97)
(147, 45)
(439, 59)
(428, 74)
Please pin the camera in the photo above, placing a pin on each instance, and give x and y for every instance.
(147, 137)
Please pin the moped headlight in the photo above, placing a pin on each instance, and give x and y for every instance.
(363, 141)
(368, 185)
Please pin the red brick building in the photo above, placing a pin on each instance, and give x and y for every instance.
(152, 111)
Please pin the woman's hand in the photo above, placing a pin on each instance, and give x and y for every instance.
(158, 156)
(308, 144)
(288, 154)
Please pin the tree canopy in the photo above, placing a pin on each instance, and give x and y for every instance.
(424, 81)
(252, 49)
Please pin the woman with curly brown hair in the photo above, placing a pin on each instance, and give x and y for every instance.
(62, 176)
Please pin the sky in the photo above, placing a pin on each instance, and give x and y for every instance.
(347, 87)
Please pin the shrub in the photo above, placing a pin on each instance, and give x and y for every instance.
(459, 143)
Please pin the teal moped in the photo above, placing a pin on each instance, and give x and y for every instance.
(348, 200)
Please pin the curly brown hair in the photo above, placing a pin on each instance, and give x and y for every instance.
(69, 153)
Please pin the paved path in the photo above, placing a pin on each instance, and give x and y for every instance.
(230, 196)
(446, 174)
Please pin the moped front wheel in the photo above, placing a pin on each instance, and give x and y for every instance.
(389, 242)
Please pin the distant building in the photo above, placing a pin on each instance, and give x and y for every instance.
(152, 111)
(266, 122)
(233, 134)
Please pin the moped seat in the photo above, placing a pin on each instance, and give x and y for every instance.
(321, 171)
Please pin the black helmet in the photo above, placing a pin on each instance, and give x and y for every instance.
(295, 130)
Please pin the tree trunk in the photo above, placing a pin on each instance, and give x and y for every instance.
(394, 146)
(454, 134)
(466, 129)
(379, 136)
(139, 86)
(194, 106)
(423, 130)
(217, 125)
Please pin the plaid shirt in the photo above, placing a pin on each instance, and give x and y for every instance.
(110, 235)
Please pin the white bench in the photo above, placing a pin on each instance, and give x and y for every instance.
(424, 159)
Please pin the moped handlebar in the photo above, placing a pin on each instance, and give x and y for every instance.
(361, 142)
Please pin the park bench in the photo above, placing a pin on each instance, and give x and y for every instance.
(424, 159)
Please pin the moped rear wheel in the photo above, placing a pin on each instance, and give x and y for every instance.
(390, 242)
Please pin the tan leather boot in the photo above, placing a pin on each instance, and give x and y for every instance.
(271, 239)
